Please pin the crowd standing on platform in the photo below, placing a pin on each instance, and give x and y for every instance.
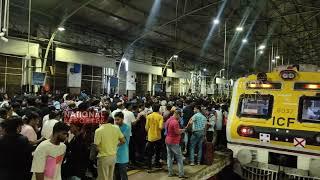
(48, 137)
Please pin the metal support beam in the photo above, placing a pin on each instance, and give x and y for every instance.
(56, 31)
(136, 23)
(141, 25)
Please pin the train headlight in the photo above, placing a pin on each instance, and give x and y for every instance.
(244, 156)
(288, 74)
(245, 131)
(317, 138)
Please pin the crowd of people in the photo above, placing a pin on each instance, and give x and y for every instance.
(39, 142)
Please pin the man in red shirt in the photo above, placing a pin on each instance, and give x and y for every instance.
(173, 143)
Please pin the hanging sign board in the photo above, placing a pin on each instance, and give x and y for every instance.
(113, 82)
(38, 78)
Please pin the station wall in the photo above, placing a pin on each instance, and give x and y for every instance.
(93, 76)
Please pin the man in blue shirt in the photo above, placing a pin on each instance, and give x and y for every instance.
(198, 122)
(123, 150)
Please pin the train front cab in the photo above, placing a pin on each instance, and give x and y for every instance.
(273, 126)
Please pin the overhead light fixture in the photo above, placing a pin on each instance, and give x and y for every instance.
(261, 47)
(273, 60)
(216, 21)
(124, 60)
(260, 52)
(175, 56)
(61, 28)
(4, 39)
(204, 69)
(127, 65)
(244, 41)
(239, 28)
(277, 57)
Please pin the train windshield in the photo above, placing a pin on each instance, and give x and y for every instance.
(310, 109)
(255, 106)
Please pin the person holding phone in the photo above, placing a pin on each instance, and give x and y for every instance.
(173, 143)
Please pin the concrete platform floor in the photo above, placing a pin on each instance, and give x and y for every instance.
(198, 172)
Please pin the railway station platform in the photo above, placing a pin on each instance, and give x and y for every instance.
(200, 172)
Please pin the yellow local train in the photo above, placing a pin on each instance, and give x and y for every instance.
(273, 126)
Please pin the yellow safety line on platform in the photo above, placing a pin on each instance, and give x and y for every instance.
(133, 172)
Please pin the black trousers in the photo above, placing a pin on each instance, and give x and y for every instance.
(209, 136)
(120, 171)
(153, 147)
(222, 139)
(140, 148)
(163, 154)
(132, 150)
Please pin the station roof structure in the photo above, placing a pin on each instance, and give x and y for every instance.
(199, 28)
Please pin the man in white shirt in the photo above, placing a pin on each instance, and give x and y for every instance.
(163, 106)
(219, 124)
(46, 117)
(48, 156)
(119, 109)
(130, 120)
(48, 125)
(129, 117)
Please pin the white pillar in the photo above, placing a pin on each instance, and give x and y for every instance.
(29, 72)
(131, 83)
(149, 88)
(203, 85)
(38, 69)
(25, 62)
(107, 73)
(193, 82)
(168, 85)
(182, 86)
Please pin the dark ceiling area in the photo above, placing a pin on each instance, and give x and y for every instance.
(289, 29)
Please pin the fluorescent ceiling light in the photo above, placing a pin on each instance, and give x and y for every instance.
(244, 40)
(216, 21)
(273, 60)
(277, 57)
(124, 60)
(175, 56)
(261, 47)
(239, 28)
(127, 65)
(61, 28)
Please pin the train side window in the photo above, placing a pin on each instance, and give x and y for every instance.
(309, 109)
(255, 106)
